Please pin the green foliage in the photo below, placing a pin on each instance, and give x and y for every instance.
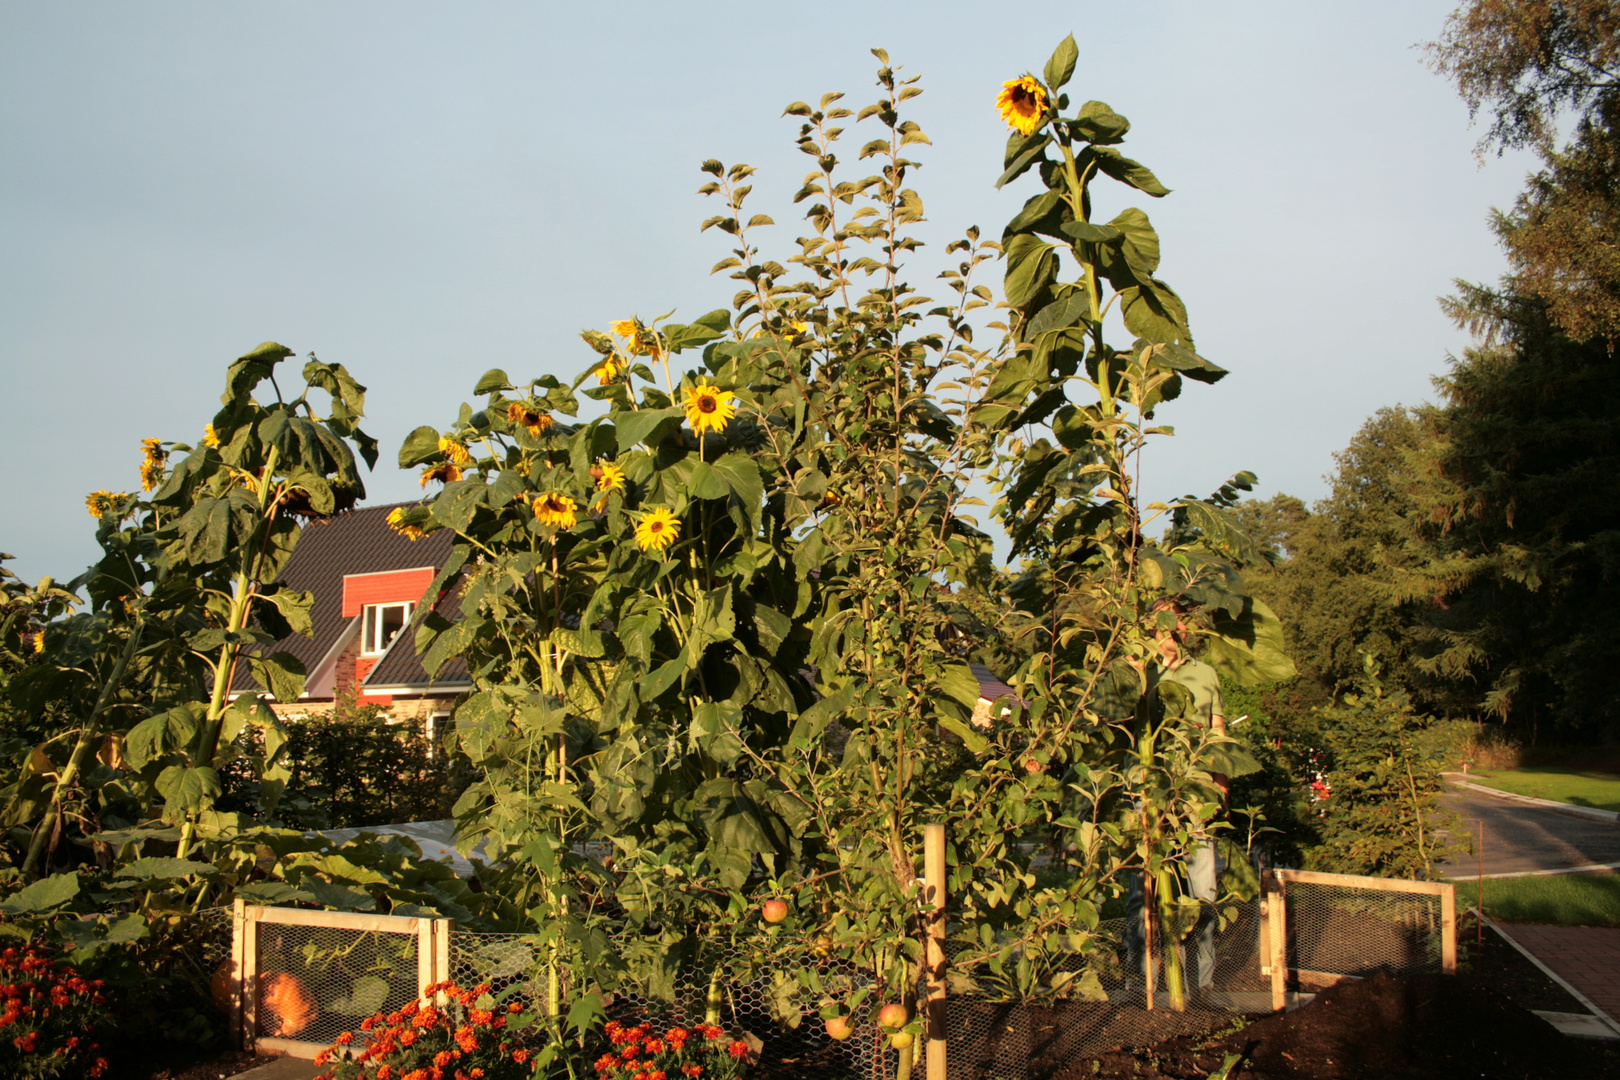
(353, 767)
(1556, 900)
(1381, 815)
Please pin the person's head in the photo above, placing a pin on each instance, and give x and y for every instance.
(1172, 618)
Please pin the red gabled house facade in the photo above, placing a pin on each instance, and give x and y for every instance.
(366, 579)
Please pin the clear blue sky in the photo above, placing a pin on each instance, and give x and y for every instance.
(422, 191)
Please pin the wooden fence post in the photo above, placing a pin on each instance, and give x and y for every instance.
(934, 956)
(1448, 930)
(238, 942)
(1277, 923)
(249, 985)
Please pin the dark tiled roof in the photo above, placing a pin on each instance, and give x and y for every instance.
(400, 666)
(358, 542)
(991, 689)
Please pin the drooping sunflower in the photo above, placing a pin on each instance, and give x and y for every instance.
(455, 450)
(103, 501)
(396, 521)
(555, 508)
(608, 370)
(639, 339)
(153, 465)
(445, 471)
(538, 423)
(1022, 103)
(609, 476)
(709, 408)
(658, 529)
(210, 439)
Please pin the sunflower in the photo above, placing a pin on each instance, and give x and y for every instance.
(446, 472)
(152, 466)
(103, 501)
(639, 340)
(39, 641)
(609, 477)
(555, 508)
(455, 450)
(1022, 104)
(709, 408)
(608, 370)
(396, 521)
(210, 439)
(658, 530)
(538, 423)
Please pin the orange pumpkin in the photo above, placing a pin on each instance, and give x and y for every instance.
(287, 1006)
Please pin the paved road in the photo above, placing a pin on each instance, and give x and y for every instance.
(1519, 837)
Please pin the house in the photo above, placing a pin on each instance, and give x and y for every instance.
(366, 579)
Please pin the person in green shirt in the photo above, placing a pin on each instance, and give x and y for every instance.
(1201, 682)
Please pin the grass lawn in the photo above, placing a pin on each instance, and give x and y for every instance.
(1558, 899)
(1573, 786)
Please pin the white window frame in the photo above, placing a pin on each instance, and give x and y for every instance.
(371, 621)
(435, 724)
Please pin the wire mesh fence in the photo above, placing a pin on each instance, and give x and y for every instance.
(1332, 927)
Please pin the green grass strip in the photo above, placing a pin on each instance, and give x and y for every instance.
(1555, 899)
(1573, 786)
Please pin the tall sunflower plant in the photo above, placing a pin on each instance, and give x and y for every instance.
(720, 634)
(1099, 593)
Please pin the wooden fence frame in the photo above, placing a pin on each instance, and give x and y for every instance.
(1274, 918)
(432, 963)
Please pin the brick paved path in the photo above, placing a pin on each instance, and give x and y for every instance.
(1588, 958)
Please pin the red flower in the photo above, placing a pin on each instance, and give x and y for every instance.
(100, 1067)
(467, 1039)
(345, 1038)
(442, 1058)
(693, 1071)
(677, 1036)
(655, 1047)
(520, 1055)
(26, 1043)
(323, 1057)
(738, 1049)
(480, 1016)
(514, 1007)
(606, 1063)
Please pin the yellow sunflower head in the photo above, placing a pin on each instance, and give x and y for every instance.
(396, 521)
(640, 340)
(626, 328)
(538, 423)
(709, 408)
(210, 439)
(103, 501)
(152, 466)
(1022, 104)
(609, 477)
(446, 472)
(608, 370)
(555, 508)
(39, 641)
(658, 529)
(455, 450)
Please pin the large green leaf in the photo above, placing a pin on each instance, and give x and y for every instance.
(1130, 172)
(42, 895)
(419, 445)
(1249, 650)
(187, 788)
(163, 733)
(280, 673)
(160, 867)
(641, 425)
(1060, 68)
(1031, 267)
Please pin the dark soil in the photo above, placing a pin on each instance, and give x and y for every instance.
(185, 1063)
(1423, 1027)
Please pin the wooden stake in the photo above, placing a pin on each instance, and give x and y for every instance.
(1448, 930)
(238, 942)
(934, 954)
(1277, 919)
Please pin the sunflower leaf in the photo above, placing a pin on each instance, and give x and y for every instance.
(1060, 68)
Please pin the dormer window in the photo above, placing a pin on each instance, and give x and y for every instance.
(381, 625)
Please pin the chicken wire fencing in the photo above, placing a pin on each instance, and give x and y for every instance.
(1329, 927)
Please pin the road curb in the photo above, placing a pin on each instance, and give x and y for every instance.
(1566, 808)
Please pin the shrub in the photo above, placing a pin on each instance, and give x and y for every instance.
(468, 1036)
(48, 1017)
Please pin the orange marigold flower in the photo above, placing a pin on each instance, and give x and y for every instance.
(514, 1007)
(520, 1055)
(677, 1035)
(407, 1037)
(323, 1057)
(692, 1070)
(480, 1016)
(738, 1049)
(657, 1074)
(607, 1062)
(345, 1039)
(100, 1067)
(442, 1058)
(385, 1072)
(655, 1046)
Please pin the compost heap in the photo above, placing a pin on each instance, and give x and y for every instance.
(1415, 1028)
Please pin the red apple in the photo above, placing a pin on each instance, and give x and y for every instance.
(893, 1016)
(838, 1028)
(774, 911)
